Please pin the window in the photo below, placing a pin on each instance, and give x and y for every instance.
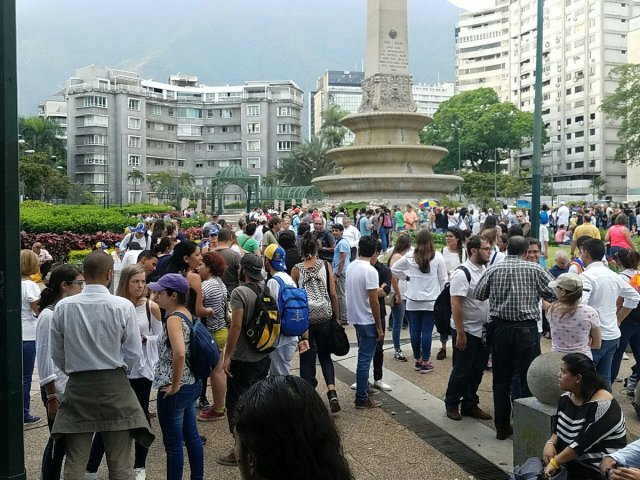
(156, 110)
(199, 164)
(568, 136)
(226, 113)
(134, 104)
(253, 145)
(158, 162)
(253, 110)
(95, 121)
(94, 159)
(285, 128)
(134, 160)
(592, 148)
(189, 130)
(579, 149)
(134, 141)
(181, 163)
(283, 112)
(171, 112)
(171, 128)
(569, 150)
(579, 134)
(284, 146)
(211, 147)
(253, 162)
(253, 128)
(578, 165)
(184, 112)
(95, 101)
(224, 163)
(171, 146)
(210, 113)
(134, 123)
(578, 89)
(93, 140)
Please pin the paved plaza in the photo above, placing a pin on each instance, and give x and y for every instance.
(409, 438)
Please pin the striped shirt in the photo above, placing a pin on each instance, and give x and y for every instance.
(214, 294)
(594, 429)
(514, 288)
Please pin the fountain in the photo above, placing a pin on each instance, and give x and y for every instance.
(386, 160)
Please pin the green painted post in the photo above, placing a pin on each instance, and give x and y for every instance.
(11, 433)
(537, 128)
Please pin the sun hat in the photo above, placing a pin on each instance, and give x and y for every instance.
(170, 281)
(276, 256)
(569, 282)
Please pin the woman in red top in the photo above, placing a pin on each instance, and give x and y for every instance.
(619, 236)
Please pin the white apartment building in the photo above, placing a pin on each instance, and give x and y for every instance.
(583, 41)
(482, 50)
(118, 122)
(56, 111)
(344, 88)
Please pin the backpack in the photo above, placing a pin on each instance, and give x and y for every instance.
(387, 221)
(544, 217)
(318, 299)
(203, 350)
(263, 328)
(578, 263)
(294, 309)
(442, 307)
(146, 239)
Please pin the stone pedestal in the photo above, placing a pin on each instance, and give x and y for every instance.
(532, 427)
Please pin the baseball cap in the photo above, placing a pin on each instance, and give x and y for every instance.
(138, 228)
(569, 282)
(101, 245)
(296, 210)
(252, 265)
(213, 232)
(276, 256)
(170, 281)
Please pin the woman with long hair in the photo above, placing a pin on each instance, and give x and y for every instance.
(590, 422)
(132, 286)
(399, 287)
(158, 233)
(316, 277)
(427, 274)
(65, 280)
(286, 411)
(575, 327)
(29, 265)
(178, 389)
(214, 294)
(619, 236)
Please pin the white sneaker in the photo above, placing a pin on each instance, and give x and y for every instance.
(90, 476)
(380, 385)
(139, 474)
(353, 387)
(625, 356)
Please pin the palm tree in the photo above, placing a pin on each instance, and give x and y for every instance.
(166, 185)
(307, 161)
(598, 184)
(136, 177)
(42, 135)
(332, 129)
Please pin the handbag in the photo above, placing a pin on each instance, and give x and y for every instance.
(338, 340)
(390, 299)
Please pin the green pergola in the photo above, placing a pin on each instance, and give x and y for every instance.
(308, 192)
(234, 175)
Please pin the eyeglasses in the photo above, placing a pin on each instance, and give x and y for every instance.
(81, 283)
(486, 249)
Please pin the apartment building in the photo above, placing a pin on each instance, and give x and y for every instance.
(118, 123)
(56, 111)
(633, 172)
(583, 40)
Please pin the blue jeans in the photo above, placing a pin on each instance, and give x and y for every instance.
(366, 348)
(28, 360)
(630, 336)
(397, 317)
(384, 238)
(420, 330)
(177, 418)
(603, 357)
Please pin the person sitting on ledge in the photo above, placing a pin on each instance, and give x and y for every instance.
(589, 423)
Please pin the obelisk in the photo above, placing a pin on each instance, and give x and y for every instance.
(387, 84)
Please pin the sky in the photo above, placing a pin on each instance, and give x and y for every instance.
(472, 4)
(220, 41)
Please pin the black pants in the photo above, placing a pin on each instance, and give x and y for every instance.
(514, 345)
(319, 335)
(468, 368)
(142, 389)
(378, 355)
(54, 451)
(244, 374)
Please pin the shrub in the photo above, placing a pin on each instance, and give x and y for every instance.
(59, 245)
(76, 257)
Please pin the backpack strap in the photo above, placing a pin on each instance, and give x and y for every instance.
(493, 258)
(466, 271)
(148, 310)
(282, 287)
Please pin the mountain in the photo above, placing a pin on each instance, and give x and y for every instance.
(220, 41)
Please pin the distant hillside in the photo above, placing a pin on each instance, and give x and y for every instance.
(222, 42)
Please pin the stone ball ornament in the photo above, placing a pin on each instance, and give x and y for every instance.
(542, 377)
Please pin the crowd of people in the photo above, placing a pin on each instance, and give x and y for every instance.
(355, 267)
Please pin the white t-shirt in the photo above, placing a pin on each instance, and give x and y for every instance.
(544, 238)
(130, 258)
(361, 277)
(563, 216)
(274, 291)
(475, 313)
(30, 293)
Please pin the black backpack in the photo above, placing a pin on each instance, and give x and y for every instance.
(263, 328)
(442, 307)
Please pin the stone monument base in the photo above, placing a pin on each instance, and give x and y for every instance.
(532, 427)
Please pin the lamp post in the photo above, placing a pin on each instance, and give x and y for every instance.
(537, 126)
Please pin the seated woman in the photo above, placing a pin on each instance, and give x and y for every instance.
(589, 423)
(286, 411)
(575, 327)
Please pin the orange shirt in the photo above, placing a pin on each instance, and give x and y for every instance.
(410, 219)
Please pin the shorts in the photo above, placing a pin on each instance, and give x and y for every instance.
(220, 336)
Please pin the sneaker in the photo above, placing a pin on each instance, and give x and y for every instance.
(211, 415)
(426, 367)
(399, 356)
(370, 390)
(417, 366)
(203, 404)
(334, 404)
(380, 385)
(139, 474)
(442, 354)
(31, 419)
(368, 403)
(229, 459)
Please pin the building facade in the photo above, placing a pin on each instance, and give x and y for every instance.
(119, 123)
(633, 171)
(56, 111)
(583, 41)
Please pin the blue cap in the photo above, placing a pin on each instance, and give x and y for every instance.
(276, 256)
(138, 228)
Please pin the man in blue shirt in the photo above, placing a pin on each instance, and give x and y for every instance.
(341, 259)
(364, 224)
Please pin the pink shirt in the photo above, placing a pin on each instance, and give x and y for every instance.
(571, 334)
(617, 237)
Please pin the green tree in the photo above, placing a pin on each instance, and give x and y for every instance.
(598, 185)
(472, 125)
(136, 177)
(172, 188)
(307, 161)
(40, 180)
(624, 106)
(480, 186)
(332, 130)
(43, 135)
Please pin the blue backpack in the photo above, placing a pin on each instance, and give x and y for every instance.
(544, 217)
(203, 350)
(294, 309)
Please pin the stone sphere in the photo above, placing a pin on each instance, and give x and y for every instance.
(542, 377)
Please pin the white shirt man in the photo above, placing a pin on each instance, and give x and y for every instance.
(351, 233)
(563, 215)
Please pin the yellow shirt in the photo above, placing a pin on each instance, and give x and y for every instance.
(586, 230)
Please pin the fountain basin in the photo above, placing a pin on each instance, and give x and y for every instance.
(386, 128)
(407, 159)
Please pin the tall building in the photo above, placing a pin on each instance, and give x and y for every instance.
(344, 89)
(119, 123)
(583, 41)
(633, 172)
